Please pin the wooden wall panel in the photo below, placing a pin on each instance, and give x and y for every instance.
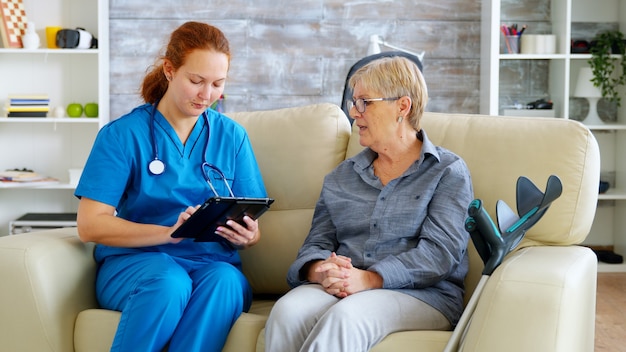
(290, 53)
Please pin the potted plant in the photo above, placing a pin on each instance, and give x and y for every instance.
(604, 66)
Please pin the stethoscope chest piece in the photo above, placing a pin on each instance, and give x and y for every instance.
(156, 167)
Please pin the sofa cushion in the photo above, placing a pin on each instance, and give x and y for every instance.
(545, 295)
(95, 330)
(277, 139)
(48, 278)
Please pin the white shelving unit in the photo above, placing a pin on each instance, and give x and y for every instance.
(609, 228)
(52, 146)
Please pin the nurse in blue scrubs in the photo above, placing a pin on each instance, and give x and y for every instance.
(146, 174)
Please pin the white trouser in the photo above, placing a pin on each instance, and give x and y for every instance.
(309, 319)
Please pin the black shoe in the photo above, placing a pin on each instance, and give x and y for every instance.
(609, 257)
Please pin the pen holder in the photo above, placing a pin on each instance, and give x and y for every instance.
(511, 43)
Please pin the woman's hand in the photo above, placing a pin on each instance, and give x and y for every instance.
(241, 236)
(332, 274)
(340, 279)
(182, 217)
(98, 223)
(361, 280)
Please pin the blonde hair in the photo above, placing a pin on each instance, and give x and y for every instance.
(392, 77)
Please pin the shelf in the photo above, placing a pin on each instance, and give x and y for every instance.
(532, 56)
(506, 78)
(550, 56)
(54, 186)
(607, 127)
(53, 145)
(611, 268)
(43, 51)
(613, 194)
(588, 56)
(93, 120)
(51, 185)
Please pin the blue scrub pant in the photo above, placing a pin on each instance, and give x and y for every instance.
(190, 304)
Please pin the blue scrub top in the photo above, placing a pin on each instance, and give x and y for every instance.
(116, 173)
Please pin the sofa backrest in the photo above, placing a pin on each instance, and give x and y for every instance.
(295, 149)
(498, 150)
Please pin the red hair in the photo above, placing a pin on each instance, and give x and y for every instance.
(186, 38)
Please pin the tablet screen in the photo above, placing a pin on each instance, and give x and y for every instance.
(215, 212)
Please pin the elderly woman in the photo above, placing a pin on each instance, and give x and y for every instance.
(387, 248)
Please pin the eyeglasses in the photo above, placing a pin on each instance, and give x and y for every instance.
(360, 104)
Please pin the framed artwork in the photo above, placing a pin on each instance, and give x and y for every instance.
(12, 23)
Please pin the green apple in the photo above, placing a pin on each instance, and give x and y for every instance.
(91, 109)
(74, 110)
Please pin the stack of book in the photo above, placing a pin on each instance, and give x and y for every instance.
(29, 105)
(24, 178)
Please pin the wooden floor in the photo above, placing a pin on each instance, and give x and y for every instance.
(611, 313)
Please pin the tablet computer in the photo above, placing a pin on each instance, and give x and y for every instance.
(215, 211)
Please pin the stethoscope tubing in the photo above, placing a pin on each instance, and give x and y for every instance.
(156, 166)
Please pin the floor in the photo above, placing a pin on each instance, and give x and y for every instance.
(611, 313)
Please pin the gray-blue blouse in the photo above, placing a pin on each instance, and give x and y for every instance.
(410, 231)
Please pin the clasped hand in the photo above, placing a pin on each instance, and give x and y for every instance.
(340, 279)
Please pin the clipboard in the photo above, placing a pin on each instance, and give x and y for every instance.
(215, 211)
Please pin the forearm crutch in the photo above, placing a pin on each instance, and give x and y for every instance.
(493, 244)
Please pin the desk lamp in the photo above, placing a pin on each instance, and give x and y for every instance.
(586, 89)
(376, 41)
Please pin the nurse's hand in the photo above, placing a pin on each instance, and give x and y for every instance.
(182, 217)
(241, 236)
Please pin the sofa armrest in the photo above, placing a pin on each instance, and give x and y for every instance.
(539, 299)
(47, 279)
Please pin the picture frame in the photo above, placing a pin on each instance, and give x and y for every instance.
(13, 23)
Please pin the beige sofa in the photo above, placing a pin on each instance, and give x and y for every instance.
(542, 297)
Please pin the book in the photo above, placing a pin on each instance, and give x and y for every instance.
(25, 184)
(24, 178)
(28, 96)
(31, 108)
(20, 102)
(20, 176)
(28, 114)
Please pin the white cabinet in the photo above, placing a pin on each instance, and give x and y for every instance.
(52, 146)
(555, 75)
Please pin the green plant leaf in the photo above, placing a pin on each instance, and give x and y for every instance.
(603, 65)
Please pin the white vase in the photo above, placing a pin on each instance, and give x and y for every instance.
(30, 39)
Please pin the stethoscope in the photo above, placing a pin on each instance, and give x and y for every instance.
(157, 166)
